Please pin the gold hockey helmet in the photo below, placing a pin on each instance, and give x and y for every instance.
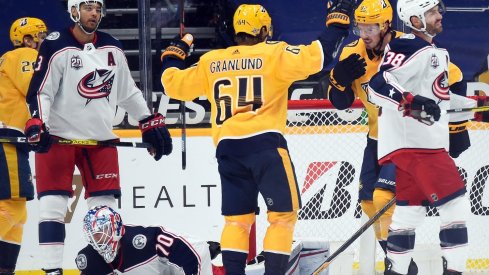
(250, 19)
(374, 12)
(26, 26)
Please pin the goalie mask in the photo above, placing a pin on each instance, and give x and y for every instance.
(417, 8)
(103, 230)
(373, 12)
(27, 26)
(77, 3)
(250, 19)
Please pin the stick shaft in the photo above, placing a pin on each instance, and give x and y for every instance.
(355, 236)
(461, 110)
(82, 142)
(181, 9)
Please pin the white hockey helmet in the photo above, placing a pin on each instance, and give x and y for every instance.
(103, 229)
(408, 8)
(76, 4)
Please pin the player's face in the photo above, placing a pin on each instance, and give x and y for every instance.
(31, 43)
(90, 14)
(370, 34)
(433, 19)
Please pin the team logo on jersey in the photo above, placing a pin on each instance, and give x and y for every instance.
(81, 261)
(97, 84)
(434, 61)
(139, 241)
(53, 36)
(76, 62)
(440, 86)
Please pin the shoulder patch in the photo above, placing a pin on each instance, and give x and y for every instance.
(407, 36)
(53, 36)
(139, 241)
(81, 261)
(352, 44)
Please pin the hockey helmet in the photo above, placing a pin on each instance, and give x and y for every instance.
(103, 230)
(408, 8)
(374, 12)
(21, 27)
(250, 19)
(77, 3)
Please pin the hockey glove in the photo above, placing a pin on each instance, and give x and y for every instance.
(37, 135)
(459, 138)
(339, 12)
(179, 47)
(419, 107)
(482, 116)
(155, 132)
(347, 70)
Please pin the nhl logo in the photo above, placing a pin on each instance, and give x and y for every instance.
(434, 197)
(269, 201)
(434, 61)
(139, 241)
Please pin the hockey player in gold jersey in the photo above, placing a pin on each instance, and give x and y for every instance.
(16, 68)
(247, 86)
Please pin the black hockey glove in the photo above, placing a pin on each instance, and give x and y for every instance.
(174, 55)
(37, 135)
(339, 12)
(459, 138)
(155, 132)
(179, 47)
(419, 107)
(347, 70)
(482, 116)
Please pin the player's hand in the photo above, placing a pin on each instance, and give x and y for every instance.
(482, 116)
(155, 132)
(421, 108)
(37, 135)
(347, 70)
(179, 47)
(339, 12)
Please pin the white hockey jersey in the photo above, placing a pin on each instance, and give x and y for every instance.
(76, 88)
(411, 64)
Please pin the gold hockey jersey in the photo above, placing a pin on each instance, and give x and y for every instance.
(16, 69)
(247, 86)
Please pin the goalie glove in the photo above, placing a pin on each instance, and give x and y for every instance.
(423, 109)
(347, 70)
(339, 12)
(154, 131)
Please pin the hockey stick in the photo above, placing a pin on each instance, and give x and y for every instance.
(355, 236)
(181, 4)
(81, 142)
(461, 110)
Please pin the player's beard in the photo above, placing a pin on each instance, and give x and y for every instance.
(89, 29)
(436, 28)
(90, 26)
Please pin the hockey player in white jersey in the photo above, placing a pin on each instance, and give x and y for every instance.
(411, 88)
(117, 248)
(80, 78)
